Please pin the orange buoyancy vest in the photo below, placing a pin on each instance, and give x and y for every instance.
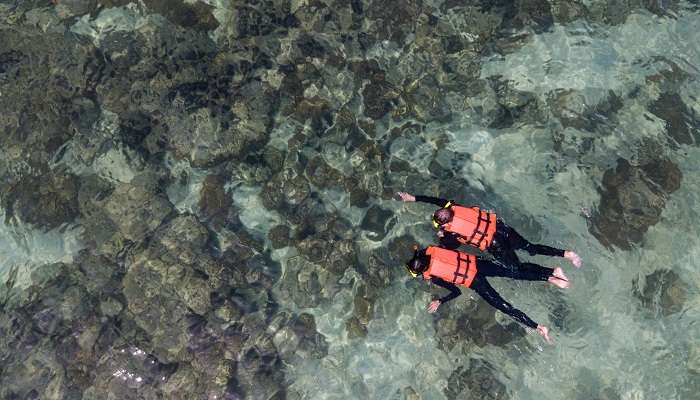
(450, 266)
(474, 226)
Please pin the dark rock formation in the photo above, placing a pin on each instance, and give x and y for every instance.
(214, 200)
(476, 324)
(632, 198)
(681, 125)
(478, 381)
(591, 386)
(45, 202)
(662, 291)
(108, 103)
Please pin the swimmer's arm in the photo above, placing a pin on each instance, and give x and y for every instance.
(454, 290)
(442, 203)
(433, 200)
(449, 240)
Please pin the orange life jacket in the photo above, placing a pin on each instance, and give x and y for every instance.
(474, 226)
(450, 266)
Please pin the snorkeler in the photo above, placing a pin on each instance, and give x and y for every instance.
(450, 268)
(472, 226)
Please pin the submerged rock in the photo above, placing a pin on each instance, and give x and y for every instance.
(188, 15)
(75, 8)
(298, 340)
(128, 372)
(345, 97)
(632, 199)
(354, 328)
(101, 232)
(534, 14)
(363, 309)
(46, 202)
(100, 275)
(394, 19)
(410, 394)
(681, 126)
(590, 385)
(566, 11)
(693, 361)
(279, 236)
(310, 216)
(321, 174)
(186, 381)
(206, 138)
(476, 382)
(214, 200)
(246, 22)
(426, 99)
(570, 107)
(616, 12)
(162, 315)
(170, 281)
(378, 221)
(475, 323)
(401, 248)
(563, 315)
(206, 316)
(516, 107)
(260, 375)
(662, 291)
(45, 100)
(52, 336)
(137, 208)
(378, 99)
(286, 188)
(35, 376)
(302, 284)
(582, 124)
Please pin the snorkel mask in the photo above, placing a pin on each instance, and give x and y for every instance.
(410, 271)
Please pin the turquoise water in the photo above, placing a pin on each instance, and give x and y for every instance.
(606, 341)
(581, 94)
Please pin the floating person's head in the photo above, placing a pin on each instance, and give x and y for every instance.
(416, 265)
(442, 216)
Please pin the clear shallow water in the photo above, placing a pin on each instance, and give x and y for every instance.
(607, 342)
(23, 249)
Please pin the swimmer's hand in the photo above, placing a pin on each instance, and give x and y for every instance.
(574, 258)
(405, 196)
(544, 331)
(433, 306)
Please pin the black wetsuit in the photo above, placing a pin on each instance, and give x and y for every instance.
(530, 272)
(505, 241)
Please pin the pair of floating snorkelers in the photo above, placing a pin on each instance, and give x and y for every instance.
(446, 267)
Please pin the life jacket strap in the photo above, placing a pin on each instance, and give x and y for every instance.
(461, 261)
(484, 218)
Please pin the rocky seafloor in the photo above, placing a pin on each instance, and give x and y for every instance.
(198, 197)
